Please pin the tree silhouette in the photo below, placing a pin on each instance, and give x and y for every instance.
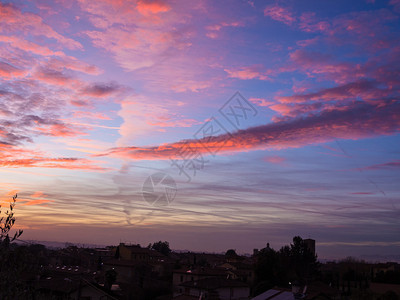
(161, 247)
(6, 225)
(291, 262)
(11, 260)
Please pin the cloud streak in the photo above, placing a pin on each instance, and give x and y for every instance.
(357, 121)
(14, 157)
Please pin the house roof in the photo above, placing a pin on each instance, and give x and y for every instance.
(213, 283)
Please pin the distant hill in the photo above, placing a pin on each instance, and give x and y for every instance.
(58, 245)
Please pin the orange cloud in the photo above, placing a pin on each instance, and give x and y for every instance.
(251, 72)
(275, 159)
(147, 7)
(13, 157)
(37, 194)
(36, 202)
(7, 197)
(355, 122)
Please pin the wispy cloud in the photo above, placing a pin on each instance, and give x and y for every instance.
(389, 165)
(13, 20)
(280, 13)
(251, 72)
(14, 157)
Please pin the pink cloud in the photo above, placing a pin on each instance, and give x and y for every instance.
(59, 130)
(283, 109)
(80, 103)
(147, 7)
(362, 193)
(309, 23)
(71, 63)
(308, 42)
(274, 47)
(157, 50)
(58, 163)
(174, 123)
(91, 115)
(55, 77)
(12, 19)
(280, 14)
(37, 194)
(213, 29)
(357, 22)
(28, 46)
(105, 13)
(218, 27)
(138, 48)
(195, 86)
(212, 35)
(389, 165)
(251, 72)
(350, 91)
(8, 71)
(261, 102)
(293, 110)
(99, 90)
(275, 159)
(14, 157)
(395, 4)
(314, 64)
(369, 30)
(142, 116)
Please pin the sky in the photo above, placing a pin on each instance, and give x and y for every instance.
(209, 124)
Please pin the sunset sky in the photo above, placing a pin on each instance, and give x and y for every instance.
(96, 96)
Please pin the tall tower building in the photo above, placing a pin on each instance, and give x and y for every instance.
(310, 244)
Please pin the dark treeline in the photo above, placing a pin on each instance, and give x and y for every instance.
(292, 263)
